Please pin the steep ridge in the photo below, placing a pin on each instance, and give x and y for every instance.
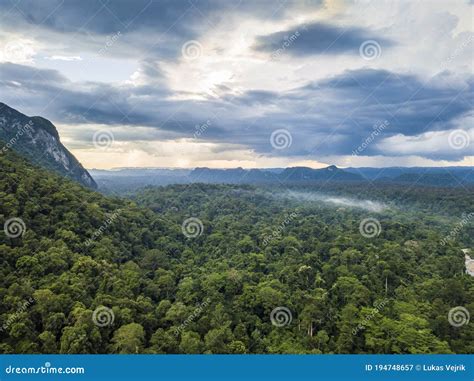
(37, 139)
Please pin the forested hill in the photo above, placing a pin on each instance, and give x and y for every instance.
(82, 273)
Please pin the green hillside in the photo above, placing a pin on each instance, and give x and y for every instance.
(84, 273)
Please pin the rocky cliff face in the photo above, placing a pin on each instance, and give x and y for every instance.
(38, 140)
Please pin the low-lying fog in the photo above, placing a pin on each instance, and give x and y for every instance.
(372, 206)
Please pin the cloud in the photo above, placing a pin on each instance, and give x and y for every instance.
(133, 78)
(319, 39)
(437, 145)
(329, 117)
(148, 28)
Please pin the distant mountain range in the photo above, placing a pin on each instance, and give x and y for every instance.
(127, 179)
(37, 139)
(132, 178)
(451, 176)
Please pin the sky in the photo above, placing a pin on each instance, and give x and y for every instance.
(245, 83)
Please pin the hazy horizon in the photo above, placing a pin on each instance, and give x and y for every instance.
(269, 168)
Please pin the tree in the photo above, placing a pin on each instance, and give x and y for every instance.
(129, 338)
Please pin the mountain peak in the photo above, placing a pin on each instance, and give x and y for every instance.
(37, 139)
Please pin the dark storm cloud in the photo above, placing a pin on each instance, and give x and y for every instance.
(101, 17)
(334, 116)
(149, 28)
(319, 38)
(330, 117)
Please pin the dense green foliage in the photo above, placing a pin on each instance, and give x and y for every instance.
(215, 293)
